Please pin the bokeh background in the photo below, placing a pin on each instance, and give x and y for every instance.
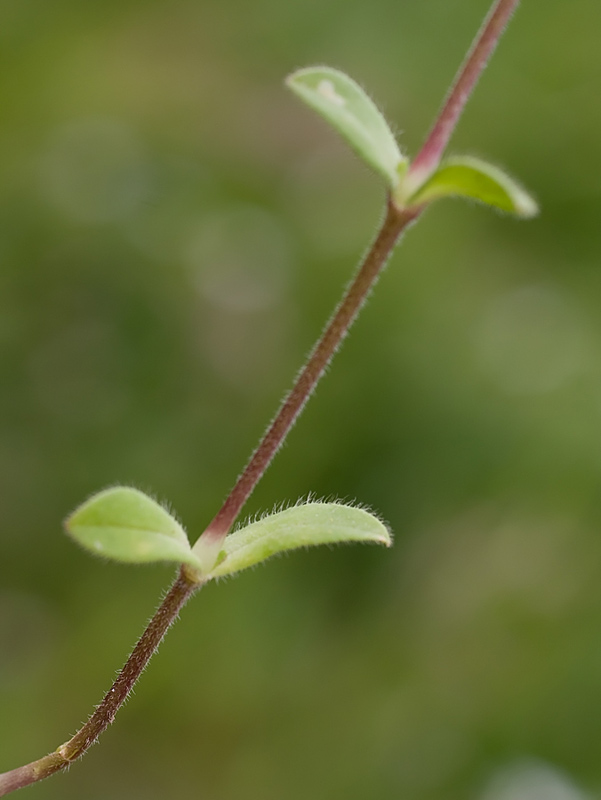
(174, 230)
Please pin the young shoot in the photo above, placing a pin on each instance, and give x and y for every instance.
(124, 524)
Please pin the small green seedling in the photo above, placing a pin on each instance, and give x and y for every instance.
(126, 525)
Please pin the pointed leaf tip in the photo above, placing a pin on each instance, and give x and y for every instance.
(300, 526)
(349, 110)
(126, 525)
(478, 180)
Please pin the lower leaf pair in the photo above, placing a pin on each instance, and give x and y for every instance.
(126, 525)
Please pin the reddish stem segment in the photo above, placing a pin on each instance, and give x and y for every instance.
(395, 222)
(344, 316)
(104, 714)
(476, 60)
(427, 159)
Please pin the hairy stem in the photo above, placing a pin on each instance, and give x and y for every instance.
(104, 714)
(395, 221)
(476, 60)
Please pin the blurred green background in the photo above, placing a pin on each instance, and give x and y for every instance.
(174, 230)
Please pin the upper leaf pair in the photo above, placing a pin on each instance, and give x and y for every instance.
(126, 525)
(344, 104)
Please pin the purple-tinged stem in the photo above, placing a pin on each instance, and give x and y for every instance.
(395, 222)
(104, 714)
(374, 261)
(476, 60)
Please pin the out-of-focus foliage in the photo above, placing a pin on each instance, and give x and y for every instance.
(174, 228)
(344, 105)
(477, 180)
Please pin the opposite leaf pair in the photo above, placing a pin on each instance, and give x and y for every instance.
(127, 525)
(354, 115)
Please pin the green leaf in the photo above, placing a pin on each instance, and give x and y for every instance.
(127, 525)
(300, 526)
(478, 180)
(344, 104)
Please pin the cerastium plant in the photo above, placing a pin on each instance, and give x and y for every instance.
(124, 524)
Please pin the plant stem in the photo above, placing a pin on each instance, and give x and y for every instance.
(395, 221)
(462, 87)
(104, 714)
